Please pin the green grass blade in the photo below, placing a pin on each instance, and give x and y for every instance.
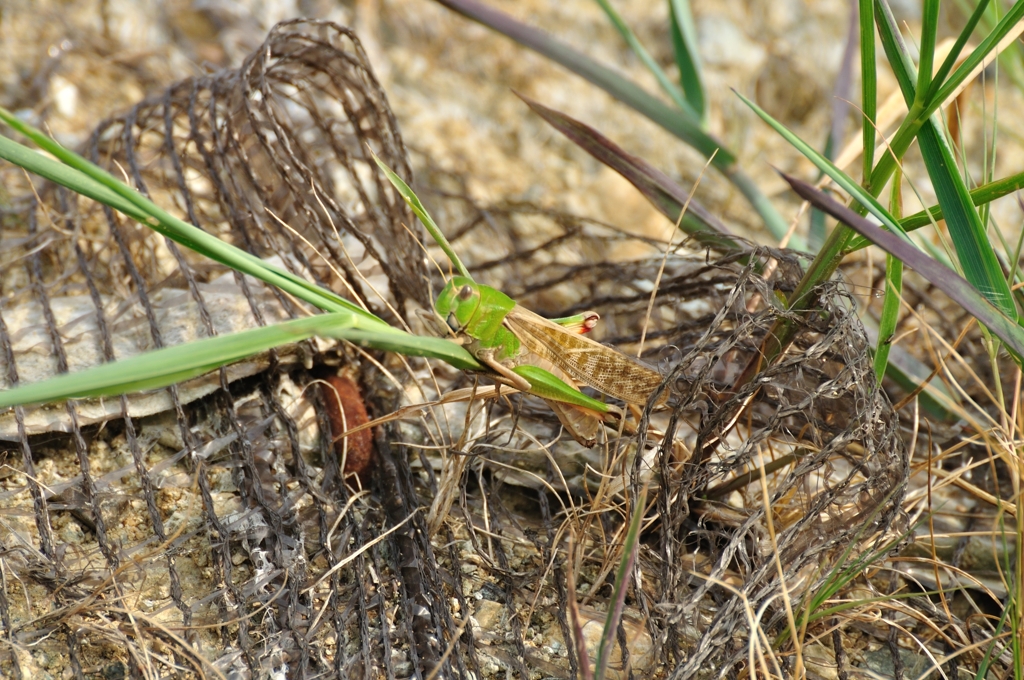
(896, 52)
(891, 296)
(684, 44)
(87, 179)
(1011, 60)
(974, 251)
(657, 187)
(416, 206)
(948, 281)
(687, 129)
(979, 196)
(869, 83)
(847, 183)
(77, 181)
(912, 375)
(926, 50)
(171, 365)
(622, 576)
(977, 56)
(973, 248)
(389, 339)
(899, 62)
(958, 46)
(919, 114)
(984, 269)
(644, 56)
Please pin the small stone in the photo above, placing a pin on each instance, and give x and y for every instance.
(488, 614)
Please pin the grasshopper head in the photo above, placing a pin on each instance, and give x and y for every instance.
(458, 302)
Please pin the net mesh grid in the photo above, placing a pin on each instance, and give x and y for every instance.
(207, 530)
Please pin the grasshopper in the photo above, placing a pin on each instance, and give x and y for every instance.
(543, 357)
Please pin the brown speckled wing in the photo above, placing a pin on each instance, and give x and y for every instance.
(601, 367)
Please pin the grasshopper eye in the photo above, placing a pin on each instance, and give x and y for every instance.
(465, 293)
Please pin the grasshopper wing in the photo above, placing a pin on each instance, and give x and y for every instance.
(582, 423)
(587, 361)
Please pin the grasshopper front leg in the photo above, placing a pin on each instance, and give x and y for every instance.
(486, 357)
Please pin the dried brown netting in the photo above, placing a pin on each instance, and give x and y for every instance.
(208, 530)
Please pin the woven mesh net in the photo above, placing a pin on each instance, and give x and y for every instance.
(212, 530)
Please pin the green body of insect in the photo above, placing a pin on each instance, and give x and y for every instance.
(542, 357)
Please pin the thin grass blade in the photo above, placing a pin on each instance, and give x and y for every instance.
(684, 43)
(1010, 24)
(170, 365)
(1012, 60)
(164, 367)
(999, 39)
(943, 278)
(958, 46)
(80, 175)
(869, 82)
(847, 183)
(899, 58)
(926, 49)
(891, 296)
(687, 129)
(973, 249)
(417, 207)
(913, 376)
(644, 56)
(665, 195)
(622, 576)
(979, 196)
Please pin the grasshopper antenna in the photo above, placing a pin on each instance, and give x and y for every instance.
(414, 203)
